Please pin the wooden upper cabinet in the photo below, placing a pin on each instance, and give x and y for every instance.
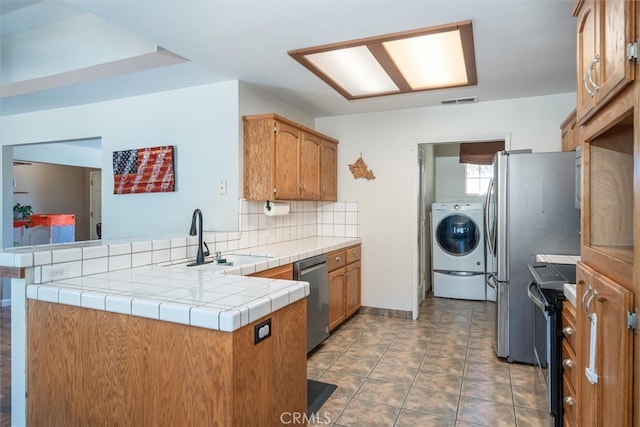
(606, 42)
(286, 177)
(568, 131)
(310, 166)
(329, 171)
(284, 160)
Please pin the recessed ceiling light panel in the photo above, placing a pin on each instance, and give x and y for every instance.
(355, 69)
(430, 61)
(418, 60)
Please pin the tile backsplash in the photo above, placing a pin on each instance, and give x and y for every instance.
(304, 220)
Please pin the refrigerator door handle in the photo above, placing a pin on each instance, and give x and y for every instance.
(487, 231)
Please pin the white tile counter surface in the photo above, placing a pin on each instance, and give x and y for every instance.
(224, 299)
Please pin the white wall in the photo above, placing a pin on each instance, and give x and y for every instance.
(388, 205)
(201, 122)
(451, 181)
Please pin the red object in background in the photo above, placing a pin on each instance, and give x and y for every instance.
(60, 228)
(46, 220)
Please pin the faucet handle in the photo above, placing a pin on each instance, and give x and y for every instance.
(206, 249)
(218, 255)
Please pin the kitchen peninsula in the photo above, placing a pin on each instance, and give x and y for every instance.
(159, 343)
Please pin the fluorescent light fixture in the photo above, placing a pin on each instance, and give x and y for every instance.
(411, 61)
(355, 69)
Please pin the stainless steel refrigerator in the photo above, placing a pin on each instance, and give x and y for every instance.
(530, 210)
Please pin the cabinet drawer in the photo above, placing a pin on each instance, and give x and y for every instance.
(353, 254)
(569, 363)
(569, 402)
(569, 329)
(284, 272)
(336, 259)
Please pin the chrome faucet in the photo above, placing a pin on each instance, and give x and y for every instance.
(197, 230)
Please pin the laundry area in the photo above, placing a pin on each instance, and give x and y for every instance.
(461, 259)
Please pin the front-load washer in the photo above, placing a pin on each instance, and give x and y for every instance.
(458, 250)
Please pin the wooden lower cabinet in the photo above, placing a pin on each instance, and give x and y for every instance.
(337, 287)
(606, 399)
(352, 291)
(570, 369)
(284, 272)
(344, 284)
(91, 367)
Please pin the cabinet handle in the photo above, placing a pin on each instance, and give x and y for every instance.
(567, 330)
(592, 67)
(337, 259)
(274, 190)
(568, 363)
(569, 400)
(587, 78)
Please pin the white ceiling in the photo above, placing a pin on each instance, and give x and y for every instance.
(523, 47)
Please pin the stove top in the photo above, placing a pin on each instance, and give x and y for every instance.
(552, 276)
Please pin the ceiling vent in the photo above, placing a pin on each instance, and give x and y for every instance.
(467, 100)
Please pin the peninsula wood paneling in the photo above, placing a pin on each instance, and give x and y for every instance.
(90, 367)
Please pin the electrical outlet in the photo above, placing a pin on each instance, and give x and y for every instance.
(222, 188)
(262, 331)
(54, 272)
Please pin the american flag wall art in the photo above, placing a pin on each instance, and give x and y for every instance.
(144, 170)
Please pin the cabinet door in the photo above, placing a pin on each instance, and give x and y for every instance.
(567, 129)
(586, 400)
(337, 283)
(605, 28)
(586, 51)
(616, 29)
(286, 177)
(310, 167)
(606, 401)
(352, 293)
(329, 171)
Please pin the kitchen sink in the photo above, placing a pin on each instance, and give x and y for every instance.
(230, 261)
(241, 259)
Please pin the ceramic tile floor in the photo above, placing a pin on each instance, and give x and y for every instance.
(439, 370)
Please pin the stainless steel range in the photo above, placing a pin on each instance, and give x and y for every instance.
(546, 291)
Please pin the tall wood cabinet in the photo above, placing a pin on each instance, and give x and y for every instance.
(284, 160)
(607, 350)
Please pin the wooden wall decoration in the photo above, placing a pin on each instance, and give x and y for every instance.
(359, 169)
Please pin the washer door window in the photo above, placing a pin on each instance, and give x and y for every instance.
(457, 235)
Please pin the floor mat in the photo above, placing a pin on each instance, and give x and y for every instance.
(317, 393)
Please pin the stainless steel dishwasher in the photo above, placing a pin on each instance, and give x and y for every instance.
(315, 271)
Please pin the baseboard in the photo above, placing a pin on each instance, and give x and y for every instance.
(386, 312)
(6, 302)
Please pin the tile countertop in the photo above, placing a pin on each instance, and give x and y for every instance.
(558, 259)
(222, 299)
